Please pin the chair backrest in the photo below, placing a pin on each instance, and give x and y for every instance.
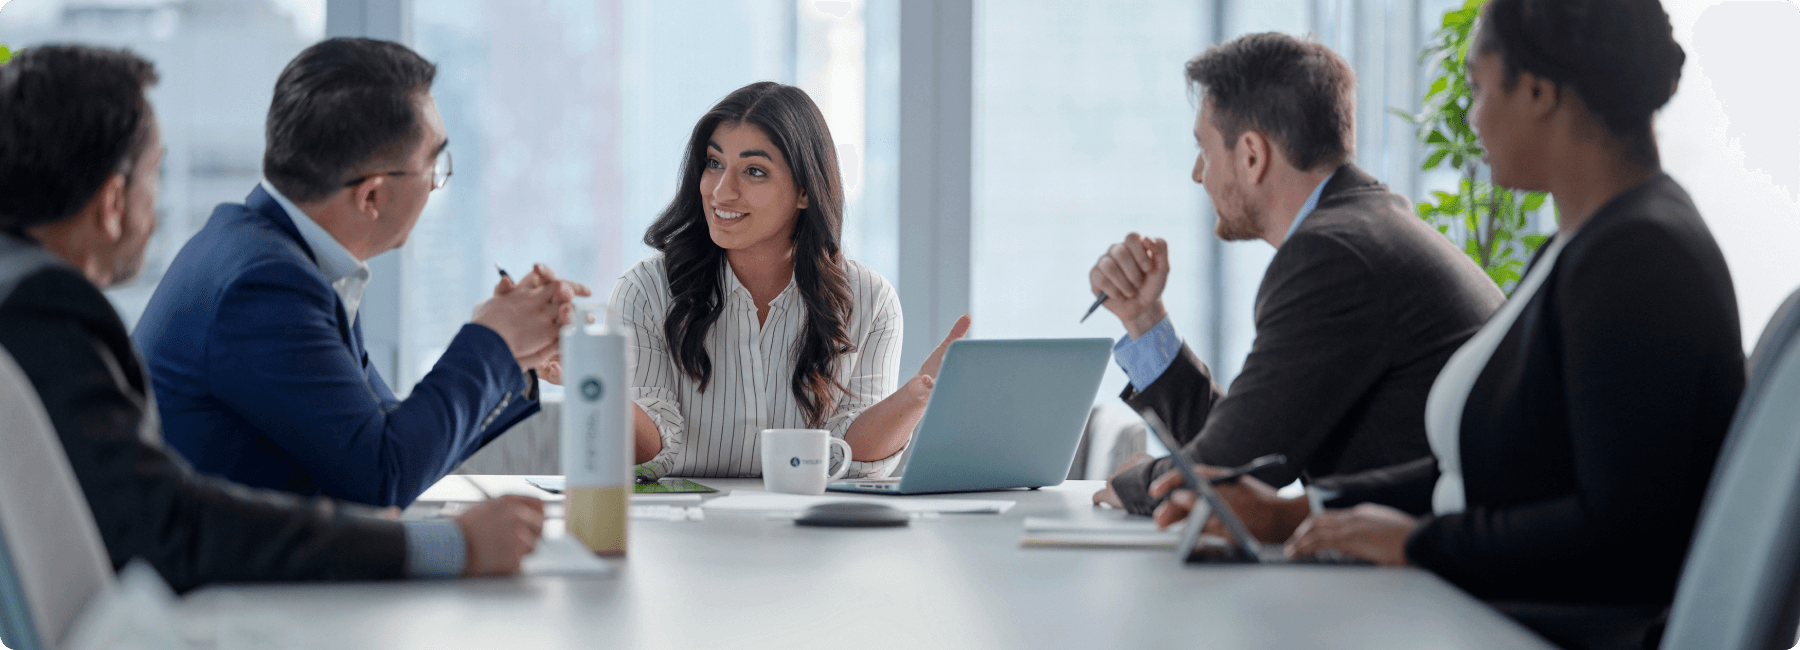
(1738, 586)
(52, 561)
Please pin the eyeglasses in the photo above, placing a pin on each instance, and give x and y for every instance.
(440, 172)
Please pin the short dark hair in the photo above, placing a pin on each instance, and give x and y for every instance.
(1299, 94)
(342, 103)
(71, 117)
(1619, 56)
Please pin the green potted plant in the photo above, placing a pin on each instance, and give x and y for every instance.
(1490, 221)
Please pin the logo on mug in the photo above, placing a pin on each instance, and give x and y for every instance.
(591, 389)
(794, 462)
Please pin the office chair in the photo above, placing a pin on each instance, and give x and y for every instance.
(52, 562)
(1739, 583)
(1742, 576)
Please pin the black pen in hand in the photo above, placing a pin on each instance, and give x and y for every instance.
(1097, 302)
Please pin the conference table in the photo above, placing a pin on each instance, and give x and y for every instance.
(756, 580)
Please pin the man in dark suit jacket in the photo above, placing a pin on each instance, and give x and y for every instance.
(253, 336)
(1361, 306)
(79, 157)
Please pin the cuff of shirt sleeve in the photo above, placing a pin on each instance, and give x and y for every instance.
(434, 549)
(653, 470)
(1145, 358)
(882, 468)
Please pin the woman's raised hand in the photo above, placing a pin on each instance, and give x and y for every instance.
(918, 389)
(933, 362)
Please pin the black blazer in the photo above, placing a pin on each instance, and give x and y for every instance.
(146, 502)
(1588, 440)
(1356, 314)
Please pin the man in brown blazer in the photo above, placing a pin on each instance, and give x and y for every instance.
(1361, 306)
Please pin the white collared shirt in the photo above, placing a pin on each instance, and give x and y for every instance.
(715, 433)
(1450, 392)
(347, 275)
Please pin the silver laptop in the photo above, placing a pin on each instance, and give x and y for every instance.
(1005, 414)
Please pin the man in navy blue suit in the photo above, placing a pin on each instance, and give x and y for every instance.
(253, 338)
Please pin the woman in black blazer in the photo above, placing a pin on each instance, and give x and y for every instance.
(1575, 434)
(1588, 436)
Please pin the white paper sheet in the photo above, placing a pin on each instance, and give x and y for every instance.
(759, 501)
(497, 485)
(1091, 525)
(1097, 532)
(451, 489)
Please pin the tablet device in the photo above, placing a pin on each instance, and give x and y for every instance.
(1240, 545)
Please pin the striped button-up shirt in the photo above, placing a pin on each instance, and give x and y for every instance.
(716, 433)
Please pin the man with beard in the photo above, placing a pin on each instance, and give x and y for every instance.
(1359, 309)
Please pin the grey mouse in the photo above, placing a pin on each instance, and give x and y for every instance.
(852, 514)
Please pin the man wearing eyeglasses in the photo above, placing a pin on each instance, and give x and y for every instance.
(253, 339)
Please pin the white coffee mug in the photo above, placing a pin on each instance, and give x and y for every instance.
(794, 460)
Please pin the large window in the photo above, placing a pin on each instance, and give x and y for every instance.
(211, 106)
(1730, 138)
(1082, 126)
(567, 120)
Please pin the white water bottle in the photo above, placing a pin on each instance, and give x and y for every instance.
(597, 445)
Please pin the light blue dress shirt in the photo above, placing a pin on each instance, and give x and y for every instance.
(1145, 359)
(434, 549)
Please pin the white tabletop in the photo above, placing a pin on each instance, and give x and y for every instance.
(745, 580)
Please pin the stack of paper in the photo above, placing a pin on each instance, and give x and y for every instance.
(1133, 532)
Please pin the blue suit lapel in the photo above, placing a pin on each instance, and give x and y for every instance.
(356, 340)
(265, 206)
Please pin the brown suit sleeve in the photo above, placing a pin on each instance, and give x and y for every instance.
(1320, 346)
(1183, 396)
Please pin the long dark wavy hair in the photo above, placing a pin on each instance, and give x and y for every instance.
(696, 265)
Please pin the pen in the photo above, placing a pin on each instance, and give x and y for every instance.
(1097, 300)
(1246, 468)
(502, 271)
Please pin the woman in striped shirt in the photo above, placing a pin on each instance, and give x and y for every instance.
(750, 317)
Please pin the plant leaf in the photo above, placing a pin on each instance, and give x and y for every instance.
(1438, 157)
(1534, 200)
(1437, 87)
